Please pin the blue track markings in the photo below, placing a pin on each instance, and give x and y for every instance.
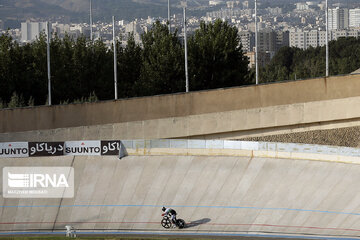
(186, 206)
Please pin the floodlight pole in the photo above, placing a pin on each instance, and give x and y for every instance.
(256, 46)
(169, 16)
(184, 4)
(48, 61)
(91, 22)
(327, 38)
(115, 59)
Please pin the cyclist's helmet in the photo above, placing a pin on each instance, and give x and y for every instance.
(163, 209)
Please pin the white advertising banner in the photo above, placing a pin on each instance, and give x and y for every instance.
(14, 149)
(81, 148)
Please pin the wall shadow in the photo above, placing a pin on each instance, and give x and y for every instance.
(197, 222)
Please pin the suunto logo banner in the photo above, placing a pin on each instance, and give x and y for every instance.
(82, 148)
(14, 149)
(50, 149)
(38, 182)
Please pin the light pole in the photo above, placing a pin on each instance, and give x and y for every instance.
(91, 32)
(115, 59)
(327, 38)
(184, 5)
(48, 61)
(256, 46)
(169, 16)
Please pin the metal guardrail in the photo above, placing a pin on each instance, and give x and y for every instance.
(242, 145)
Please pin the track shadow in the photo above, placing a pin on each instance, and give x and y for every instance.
(197, 222)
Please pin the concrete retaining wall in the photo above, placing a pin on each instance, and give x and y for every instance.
(260, 103)
(237, 124)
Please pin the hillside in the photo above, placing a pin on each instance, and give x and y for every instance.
(77, 10)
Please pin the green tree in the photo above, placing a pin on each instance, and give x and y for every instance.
(215, 57)
(2, 104)
(6, 76)
(16, 101)
(129, 68)
(35, 56)
(295, 63)
(163, 65)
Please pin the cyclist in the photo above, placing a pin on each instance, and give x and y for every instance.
(171, 213)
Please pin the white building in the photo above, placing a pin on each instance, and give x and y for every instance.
(31, 30)
(354, 17)
(302, 6)
(247, 40)
(215, 2)
(133, 27)
(314, 38)
(338, 18)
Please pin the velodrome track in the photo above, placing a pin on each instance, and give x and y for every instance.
(236, 196)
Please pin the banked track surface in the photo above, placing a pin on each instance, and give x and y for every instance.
(213, 194)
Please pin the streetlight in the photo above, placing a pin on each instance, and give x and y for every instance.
(184, 5)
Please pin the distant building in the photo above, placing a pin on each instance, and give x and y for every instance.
(232, 4)
(302, 6)
(314, 38)
(275, 11)
(133, 27)
(245, 4)
(228, 13)
(61, 29)
(303, 20)
(263, 58)
(269, 42)
(247, 40)
(251, 58)
(215, 2)
(282, 39)
(31, 30)
(354, 17)
(297, 39)
(338, 18)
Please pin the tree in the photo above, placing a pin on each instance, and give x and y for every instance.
(163, 65)
(16, 101)
(290, 62)
(35, 63)
(215, 57)
(130, 65)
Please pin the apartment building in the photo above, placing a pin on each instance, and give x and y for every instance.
(31, 30)
(354, 18)
(338, 18)
(315, 38)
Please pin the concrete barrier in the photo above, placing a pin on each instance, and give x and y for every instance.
(238, 124)
(225, 113)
